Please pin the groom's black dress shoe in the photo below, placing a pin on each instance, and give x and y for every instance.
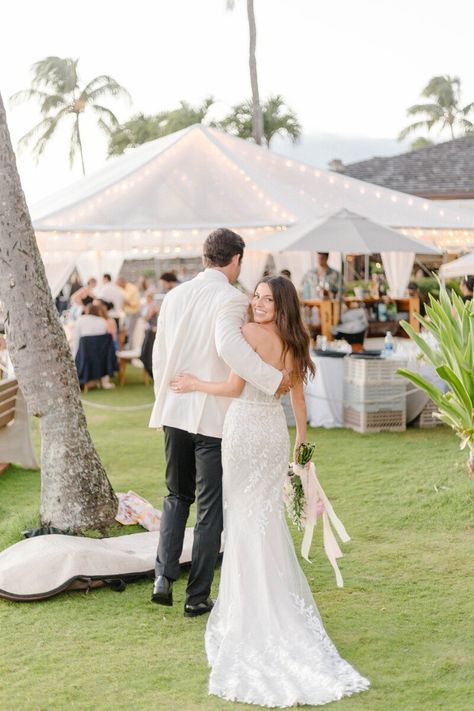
(162, 591)
(200, 609)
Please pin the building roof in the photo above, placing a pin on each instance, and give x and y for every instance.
(443, 170)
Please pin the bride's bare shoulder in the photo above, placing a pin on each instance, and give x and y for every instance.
(253, 333)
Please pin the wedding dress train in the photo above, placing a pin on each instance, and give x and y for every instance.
(265, 641)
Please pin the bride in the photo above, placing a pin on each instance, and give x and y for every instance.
(265, 641)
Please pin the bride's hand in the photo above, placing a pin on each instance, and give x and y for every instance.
(183, 383)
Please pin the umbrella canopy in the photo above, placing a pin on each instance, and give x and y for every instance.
(463, 266)
(345, 232)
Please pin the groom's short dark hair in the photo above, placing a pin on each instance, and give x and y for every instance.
(220, 246)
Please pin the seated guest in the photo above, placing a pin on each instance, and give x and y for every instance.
(111, 324)
(91, 323)
(94, 322)
(322, 281)
(467, 286)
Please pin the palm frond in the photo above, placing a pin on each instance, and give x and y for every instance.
(50, 128)
(428, 124)
(20, 97)
(105, 113)
(103, 85)
(433, 110)
(56, 72)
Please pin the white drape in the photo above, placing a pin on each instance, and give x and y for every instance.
(253, 266)
(397, 267)
(58, 272)
(298, 264)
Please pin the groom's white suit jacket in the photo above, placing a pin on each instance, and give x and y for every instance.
(198, 332)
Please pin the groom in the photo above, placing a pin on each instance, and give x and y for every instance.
(199, 332)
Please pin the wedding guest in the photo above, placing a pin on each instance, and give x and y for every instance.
(112, 296)
(142, 285)
(95, 322)
(131, 307)
(414, 292)
(86, 294)
(323, 280)
(168, 281)
(150, 314)
(111, 323)
(91, 323)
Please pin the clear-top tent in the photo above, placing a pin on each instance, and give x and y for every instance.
(164, 197)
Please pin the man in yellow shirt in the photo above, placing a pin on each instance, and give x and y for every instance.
(131, 307)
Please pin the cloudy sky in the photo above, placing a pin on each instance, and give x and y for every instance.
(348, 68)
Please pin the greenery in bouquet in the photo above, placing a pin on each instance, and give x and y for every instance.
(293, 490)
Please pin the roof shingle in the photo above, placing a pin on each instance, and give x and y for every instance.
(441, 170)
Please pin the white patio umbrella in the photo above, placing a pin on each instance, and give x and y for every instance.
(350, 233)
(464, 266)
(346, 232)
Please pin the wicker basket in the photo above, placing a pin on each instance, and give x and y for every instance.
(382, 421)
(369, 396)
(425, 419)
(373, 369)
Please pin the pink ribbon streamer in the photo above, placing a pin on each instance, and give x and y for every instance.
(317, 504)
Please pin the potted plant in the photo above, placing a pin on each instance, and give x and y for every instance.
(451, 323)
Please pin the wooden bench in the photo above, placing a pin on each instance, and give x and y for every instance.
(15, 437)
(8, 392)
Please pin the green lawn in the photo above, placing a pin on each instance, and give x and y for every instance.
(404, 617)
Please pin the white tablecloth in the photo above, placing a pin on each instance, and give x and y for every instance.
(324, 393)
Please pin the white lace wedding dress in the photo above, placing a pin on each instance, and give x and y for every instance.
(265, 641)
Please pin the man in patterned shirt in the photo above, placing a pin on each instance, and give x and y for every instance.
(324, 280)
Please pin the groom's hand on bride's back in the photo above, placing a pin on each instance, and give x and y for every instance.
(285, 383)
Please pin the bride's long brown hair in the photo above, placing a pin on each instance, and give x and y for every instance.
(289, 323)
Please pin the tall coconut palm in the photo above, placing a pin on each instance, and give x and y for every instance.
(75, 491)
(257, 117)
(278, 118)
(57, 88)
(444, 111)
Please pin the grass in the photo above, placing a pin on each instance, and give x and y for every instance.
(404, 617)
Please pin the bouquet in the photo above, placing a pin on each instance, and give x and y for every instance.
(293, 489)
(306, 501)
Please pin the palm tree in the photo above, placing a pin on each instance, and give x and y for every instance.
(257, 117)
(142, 127)
(75, 490)
(277, 119)
(56, 86)
(444, 111)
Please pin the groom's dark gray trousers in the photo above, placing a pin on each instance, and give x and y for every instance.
(193, 471)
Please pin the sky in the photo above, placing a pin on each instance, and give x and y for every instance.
(349, 68)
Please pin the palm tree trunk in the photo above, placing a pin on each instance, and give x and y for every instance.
(470, 463)
(257, 117)
(79, 143)
(75, 491)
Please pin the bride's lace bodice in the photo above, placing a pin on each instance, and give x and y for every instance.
(251, 394)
